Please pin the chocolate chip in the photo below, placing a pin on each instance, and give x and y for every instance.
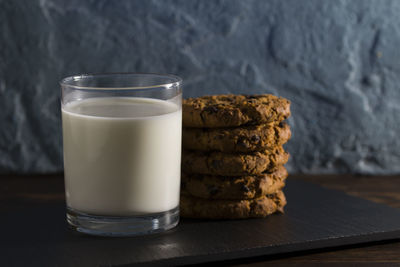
(211, 109)
(255, 138)
(244, 188)
(252, 101)
(242, 142)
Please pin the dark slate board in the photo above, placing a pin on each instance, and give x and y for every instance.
(315, 218)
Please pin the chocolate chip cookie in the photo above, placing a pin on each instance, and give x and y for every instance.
(242, 187)
(192, 207)
(234, 110)
(241, 139)
(233, 164)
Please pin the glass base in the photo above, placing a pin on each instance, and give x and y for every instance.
(122, 226)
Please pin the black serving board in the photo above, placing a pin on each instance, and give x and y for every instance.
(315, 218)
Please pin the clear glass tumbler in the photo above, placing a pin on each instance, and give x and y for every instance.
(122, 152)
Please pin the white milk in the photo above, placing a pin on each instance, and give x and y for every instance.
(122, 155)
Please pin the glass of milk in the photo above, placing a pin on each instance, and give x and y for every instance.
(122, 152)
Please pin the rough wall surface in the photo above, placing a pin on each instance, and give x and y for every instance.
(337, 61)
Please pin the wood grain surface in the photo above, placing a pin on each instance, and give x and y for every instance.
(22, 192)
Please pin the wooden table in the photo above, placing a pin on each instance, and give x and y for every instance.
(17, 192)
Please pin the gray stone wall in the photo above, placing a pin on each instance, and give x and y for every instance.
(337, 61)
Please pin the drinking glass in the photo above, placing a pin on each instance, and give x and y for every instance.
(122, 152)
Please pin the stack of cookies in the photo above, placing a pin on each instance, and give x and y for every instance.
(232, 161)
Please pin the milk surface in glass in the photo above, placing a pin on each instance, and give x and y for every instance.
(122, 155)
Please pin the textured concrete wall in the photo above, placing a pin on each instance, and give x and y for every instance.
(337, 61)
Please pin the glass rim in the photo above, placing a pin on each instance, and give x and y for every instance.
(67, 81)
